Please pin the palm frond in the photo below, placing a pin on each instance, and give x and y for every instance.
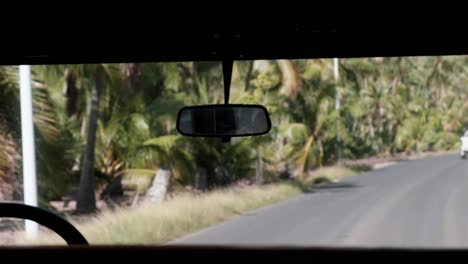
(162, 142)
(138, 172)
(8, 155)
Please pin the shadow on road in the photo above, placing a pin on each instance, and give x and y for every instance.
(332, 187)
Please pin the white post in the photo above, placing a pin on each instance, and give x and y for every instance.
(337, 101)
(28, 149)
(336, 76)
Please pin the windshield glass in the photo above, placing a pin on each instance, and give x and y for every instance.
(362, 152)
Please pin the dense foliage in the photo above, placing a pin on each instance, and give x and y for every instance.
(387, 106)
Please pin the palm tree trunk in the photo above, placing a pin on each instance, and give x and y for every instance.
(393, 135)
(320, 161)
(86, 202)
(290, 78)
(249, 75)
(160, 186)
(200, 178)
(259, 168)
(71, 93)
(371, 127)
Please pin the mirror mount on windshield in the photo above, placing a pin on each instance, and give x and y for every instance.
(224, 120)
(225, 139)
(227, 75)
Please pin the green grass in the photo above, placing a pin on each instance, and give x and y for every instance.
(182, 215)
(322, 179)
(329, 174)
(187, 213)
(358, 168)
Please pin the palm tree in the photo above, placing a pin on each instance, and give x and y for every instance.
(101, 76)
(312, 123)
(94, 80)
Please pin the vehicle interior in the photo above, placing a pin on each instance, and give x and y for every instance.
(231, 116)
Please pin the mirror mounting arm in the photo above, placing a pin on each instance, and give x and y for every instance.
(227, 75)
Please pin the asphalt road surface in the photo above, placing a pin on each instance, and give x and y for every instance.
(420, 203)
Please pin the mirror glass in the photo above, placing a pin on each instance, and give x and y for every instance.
(223, 120)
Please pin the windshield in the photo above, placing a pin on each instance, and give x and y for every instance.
(362, 152)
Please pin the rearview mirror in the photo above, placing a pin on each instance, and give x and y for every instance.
(228, 120)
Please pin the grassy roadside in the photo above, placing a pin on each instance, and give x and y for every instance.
(331, 174)
(187, 213)
(184, 214)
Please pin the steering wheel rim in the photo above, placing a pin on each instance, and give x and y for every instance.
(56, 223)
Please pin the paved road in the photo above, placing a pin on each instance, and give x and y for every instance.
(411, 204)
